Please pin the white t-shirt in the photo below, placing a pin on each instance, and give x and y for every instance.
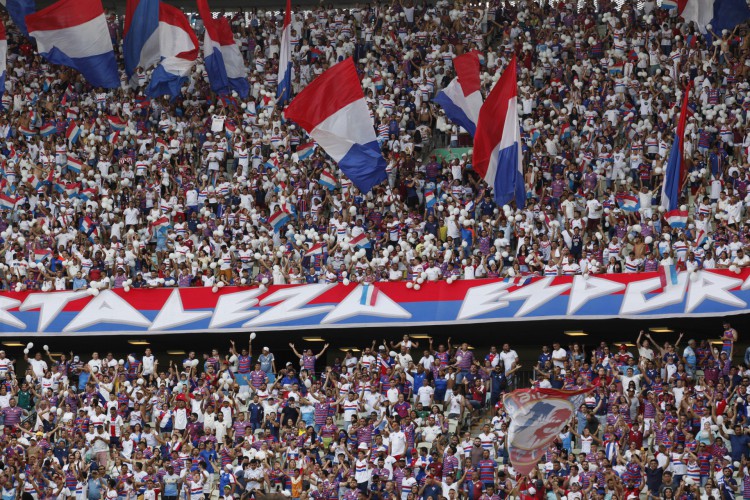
(424, 394)
(131, 216)
(148, 364)
(38, 366)
(456, 403)
(559, 353)
(398, 443)
(509, 358)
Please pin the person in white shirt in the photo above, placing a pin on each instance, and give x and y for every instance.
(6, 366)
(508, 357)
(425, 394)
(38, 365)
(741, 260)
(148, 364)
(397, 441)
(559, 355)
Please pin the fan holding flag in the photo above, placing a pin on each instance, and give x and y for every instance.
(333, 110)
(497, 143)
(675, 173)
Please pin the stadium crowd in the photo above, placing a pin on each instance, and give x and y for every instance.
(179, 192)
(401, 420)
(159, 192)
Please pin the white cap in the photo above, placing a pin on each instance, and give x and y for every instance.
(531, 491)
(266, 349)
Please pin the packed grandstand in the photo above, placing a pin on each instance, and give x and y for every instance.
(118, 189)
(148, 196)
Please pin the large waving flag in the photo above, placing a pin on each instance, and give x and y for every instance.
(221, 55)
(537, 417)
(497, 143)
(461, 99)
(140, 41)
(158, 33)
(720, 14)
(179, 51)
(674, 174)
(284, 89)
(74, 33)
(333, 111)
(3, 57)
(18, 10)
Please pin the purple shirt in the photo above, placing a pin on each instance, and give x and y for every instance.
(464, 359)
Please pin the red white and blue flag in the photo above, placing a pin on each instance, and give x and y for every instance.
(278, 219)
(41, 255)
(159, 223)
(3, 55)
(676, 218)
(305, 151)
(316, 249)
(72, 188)
(667, 275)
(230, 129)
(461, 99)
(284, 86)
(360, 240)
(27, 131)
(720, 14)
(8, 201)
(73, 132)
(87, 194)
(327, 180)
(537, 417)
(369, 295)
(74, 164)
(519, 280)
(74, 33)
(333, 111)
(429, 198)
(700, 239)
(628, 202)
(674, 173)
(565, 131)
(221, 55)
(497, 144)
(87, 224)
(116, 123)
(48, 128)
(158, 33)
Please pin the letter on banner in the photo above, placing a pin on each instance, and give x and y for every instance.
(366, 300)
(710, 286)
(484, 299)
(6, 317)
(107, 307)
(592, 288)
(635, 301)
(49, 305)
(291, 301)
(173, 314)
(232, 308)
